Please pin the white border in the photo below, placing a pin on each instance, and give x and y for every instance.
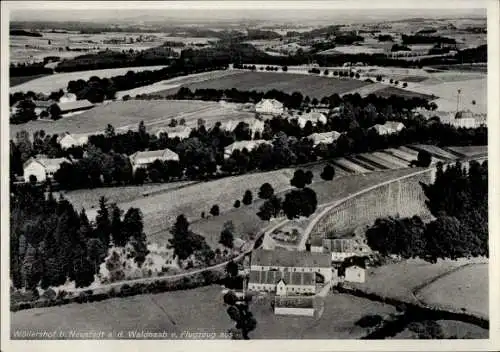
(282, 345)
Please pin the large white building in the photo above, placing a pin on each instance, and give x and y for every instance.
(313, 116)
(42, 168)
(143, 159)
(325, 138)
(182, 132)
(269, 107)
(240, 145)
(68, 97)
(282, 283)
(270, 266)
(67, 140)
(389, 127)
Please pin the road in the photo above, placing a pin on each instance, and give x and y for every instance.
(248, 248)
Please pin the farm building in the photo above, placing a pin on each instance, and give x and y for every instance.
(292, 261)
(301, 306)
(389, 127)
(253, 124)
(240, 145)
(463, 119)
(342, 248)
(42, 168)
(67, 98)
(74, 106)
(181, 132)
(42, 105)
(353, 273)
(313, 116)
(143, 159)
(269, 107)
(283, 283)
(325, 138)
(67, 140)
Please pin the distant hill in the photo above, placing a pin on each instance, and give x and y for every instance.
(22, 32)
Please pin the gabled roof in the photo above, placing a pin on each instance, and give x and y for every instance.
(73, 105)
(240, 145)
(290, 259)
(274, 102)
(166, 153)
(47, 162)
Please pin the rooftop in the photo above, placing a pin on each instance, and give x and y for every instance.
(288, 277)
(154, 154)
(73, 105)
(290, 259)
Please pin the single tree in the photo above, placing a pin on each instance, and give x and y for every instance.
(247, 197)
(266, 191)
(237, 203)
(227, 235)
(328, 173)
(215, 210)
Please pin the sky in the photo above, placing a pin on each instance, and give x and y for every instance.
(192, 11)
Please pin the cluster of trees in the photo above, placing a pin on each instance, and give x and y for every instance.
(301, 201)
(96, 89)
(426, 39)
(239, 312)
(51, 243)
(161, 55)
(24, 69)
(186, 243)
(458, 199)
(297, 100)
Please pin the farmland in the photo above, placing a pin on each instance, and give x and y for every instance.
(127, 115)
(175, 83)
(206, 313)
(399, 280)
(459, 290)
(57, 81)
(89, 198)
(451, 329)
(473, 94)
(313, 86)
(408, 94)
(246, 220)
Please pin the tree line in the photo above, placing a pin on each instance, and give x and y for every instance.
(51, 243)
(458, 199)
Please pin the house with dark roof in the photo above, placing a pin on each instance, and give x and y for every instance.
(298, 270)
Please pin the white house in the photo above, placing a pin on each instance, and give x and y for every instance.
(143, 159)
(313, 116)
(74, 106)
(182, 132)
(67, 140)
(325, 138)
(292, 261)
(269, 107)
(42, 168)
(389, 127)
(240, 145)
(68, 97)
(354, 273)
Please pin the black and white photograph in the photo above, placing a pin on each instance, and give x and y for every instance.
(194, 171)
